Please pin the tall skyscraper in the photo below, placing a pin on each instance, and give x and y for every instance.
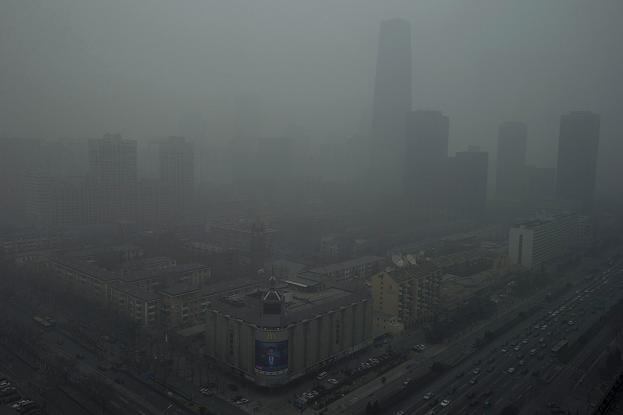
(578, 144)
(392, 101)
(113, 177)
(426, 156)
(511, 161)
(177, 173)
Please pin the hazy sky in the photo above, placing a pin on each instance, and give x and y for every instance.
(80, 68)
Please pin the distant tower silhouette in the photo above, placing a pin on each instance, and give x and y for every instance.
(578, 145)
(392, 101)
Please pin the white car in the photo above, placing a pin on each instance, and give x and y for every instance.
(428, 395)
(510, 370)
(444, 403)
(333, 381)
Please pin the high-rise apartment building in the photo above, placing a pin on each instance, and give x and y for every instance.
(177, 173)
(113, 177)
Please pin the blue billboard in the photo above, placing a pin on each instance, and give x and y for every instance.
(271, 356)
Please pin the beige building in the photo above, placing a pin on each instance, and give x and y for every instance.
(273, 335)
(408, 295)
(137, 304)
(183, 304)
(84, 279)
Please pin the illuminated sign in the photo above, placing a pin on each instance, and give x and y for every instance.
(271, 356)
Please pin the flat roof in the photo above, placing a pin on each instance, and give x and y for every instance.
(338, 266)
(301, 305)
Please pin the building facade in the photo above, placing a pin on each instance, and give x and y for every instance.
(113, 177)
(540, 241)
(274, 335)
(408, 295)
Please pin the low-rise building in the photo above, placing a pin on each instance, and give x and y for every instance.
(183, 304)
(409, 295)
(137, 304)
(83, 278)
(362, 267)
(539, 241)
(273, 335)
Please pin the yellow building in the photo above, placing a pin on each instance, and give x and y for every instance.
(406, 296)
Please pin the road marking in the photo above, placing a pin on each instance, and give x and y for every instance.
(115, 404)
(123, 399)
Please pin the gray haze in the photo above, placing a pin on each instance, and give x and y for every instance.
(76, 68)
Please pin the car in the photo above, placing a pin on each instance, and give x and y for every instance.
(476, 371)
(444, 403)
(487, 404)
(333, 381)
(533, 352)
(460, 375)
(510, 370)
(427, 396)
(473, 380)
(517, 348)
(244, 401)
(401, 412)
(503, 350)
(322, 375)
(406, 381)
(522, 362)
(525, 341)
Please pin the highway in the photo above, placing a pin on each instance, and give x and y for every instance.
(486, 382)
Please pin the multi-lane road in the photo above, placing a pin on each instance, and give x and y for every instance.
(515, 367)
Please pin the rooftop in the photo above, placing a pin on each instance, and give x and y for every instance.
(300, 305)
(423, 269)
(339, 266)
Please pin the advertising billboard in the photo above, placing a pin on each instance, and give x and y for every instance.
(271, 356)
